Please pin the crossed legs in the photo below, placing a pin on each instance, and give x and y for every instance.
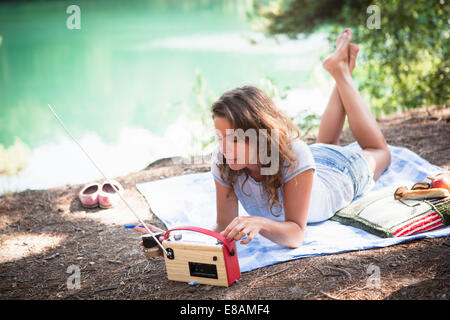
(333, 119)
(346, 100)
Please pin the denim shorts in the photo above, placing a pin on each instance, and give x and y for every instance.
(351, 164)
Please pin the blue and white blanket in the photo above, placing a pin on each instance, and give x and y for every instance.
(191, 200)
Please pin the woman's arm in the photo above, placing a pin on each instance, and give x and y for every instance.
(227, 206)
(290, 233)
(297, 194)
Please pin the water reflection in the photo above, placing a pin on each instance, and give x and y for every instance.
(125, 78)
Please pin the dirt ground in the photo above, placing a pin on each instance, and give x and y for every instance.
(44, 233)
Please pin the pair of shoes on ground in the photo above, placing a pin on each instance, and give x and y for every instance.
(103, 195)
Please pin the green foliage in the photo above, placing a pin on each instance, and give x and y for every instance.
(15, 158)
(307, 122)
(268, 85)
(200, 115)
(404, 64)
(304, 119)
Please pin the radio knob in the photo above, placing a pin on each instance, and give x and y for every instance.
(177, 236)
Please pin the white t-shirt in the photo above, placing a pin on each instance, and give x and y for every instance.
(330, 192)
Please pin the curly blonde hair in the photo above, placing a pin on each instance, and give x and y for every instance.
(246, 108)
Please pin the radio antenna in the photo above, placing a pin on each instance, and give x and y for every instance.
(104, 176)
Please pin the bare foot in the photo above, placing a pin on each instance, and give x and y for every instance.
(353, 50)
(339, 61)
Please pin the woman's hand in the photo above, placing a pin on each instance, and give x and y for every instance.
(243, 226)
(152, 229)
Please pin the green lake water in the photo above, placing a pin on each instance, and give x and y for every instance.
(124, 80)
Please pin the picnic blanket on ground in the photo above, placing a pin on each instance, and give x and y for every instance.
(191, 200)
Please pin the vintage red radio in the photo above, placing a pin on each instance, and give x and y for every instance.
(196, 258)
